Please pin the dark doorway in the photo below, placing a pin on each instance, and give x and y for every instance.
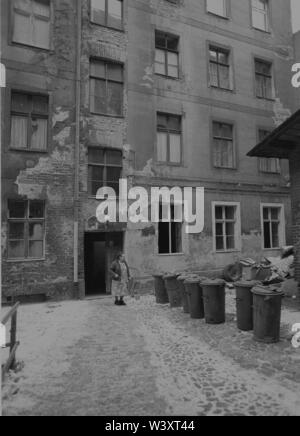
(99, 252)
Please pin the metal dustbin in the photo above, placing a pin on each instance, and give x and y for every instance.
(195, 297)
(173, 290)
(160, 289)
(185, 302)
(244, 305)
(267, 313)
(214, 301)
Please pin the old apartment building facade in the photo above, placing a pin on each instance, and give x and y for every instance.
(163, 93)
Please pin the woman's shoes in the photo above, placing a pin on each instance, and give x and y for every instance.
(122, 303)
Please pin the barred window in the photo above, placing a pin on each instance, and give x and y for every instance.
(226, 227)
(26, 229)
(272, 227)
(169, 233)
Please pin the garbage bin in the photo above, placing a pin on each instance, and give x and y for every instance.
(214, 301)
(244, 305)
(185, 302)
(173, 290)
(160, 289)
(267, 313)
(195, 297)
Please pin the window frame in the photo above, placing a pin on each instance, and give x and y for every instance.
(211, 46)
(166, 51)
(104, 166)
(282, 225)
(91, 77)
(120, 29)
(234, 140)
(32, 93)
(227, 7)
(26, 221)
(269, 15)
(272, 77)
(169, 131)
(170, 223)
(260, 170)
(25, 44)
(238, 226)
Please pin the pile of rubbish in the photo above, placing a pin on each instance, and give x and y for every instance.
(271, 270)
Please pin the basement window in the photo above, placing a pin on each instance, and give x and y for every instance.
(273, 226)
(223, 145)
(107, 13)
(166, 55)
(106, 88)
(268, 165)
(226, 217)
(105, 169)
(32, 23)
(29, 121)
(26, 229)
(169, 234)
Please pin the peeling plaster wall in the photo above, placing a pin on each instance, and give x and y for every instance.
(47, 176)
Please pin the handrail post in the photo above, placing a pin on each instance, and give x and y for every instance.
(13, 337)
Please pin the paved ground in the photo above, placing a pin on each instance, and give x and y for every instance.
(92, 358)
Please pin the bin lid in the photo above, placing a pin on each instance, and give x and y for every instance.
(158, 275)
(192, 280)
(213, 282)
(170, 276)
(249, 284)
(182, 278)
(267, 291)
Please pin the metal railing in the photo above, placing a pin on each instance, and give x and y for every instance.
(13, 344)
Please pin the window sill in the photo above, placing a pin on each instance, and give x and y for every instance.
(269, 173)
(226, 168)
(266, 32)
(116, 29)
(227, 251)
(169, 164)
(271, 100)
(27, 150)
(171, 254)
(232, 91)
(24, 260)
(163, 76)
(107, 115)
(223, 17)
(32, 47)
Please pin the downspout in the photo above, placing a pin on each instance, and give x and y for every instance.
(77, 142)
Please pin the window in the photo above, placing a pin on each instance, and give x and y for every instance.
(260, 14)
(220, 68)
(223, 145)
(263, 79)
(167, 55)
(169, 234)
(105, 169)
(26, 229)
(268, 165)
(106, 88)
(273, 226)
(107, 13)
(227, 230)
(31, 23)
(29, 121)
(217, 7)
(169, 139)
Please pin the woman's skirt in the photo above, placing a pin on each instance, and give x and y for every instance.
(119, 289)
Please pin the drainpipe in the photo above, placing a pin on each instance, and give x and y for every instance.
(77, 142)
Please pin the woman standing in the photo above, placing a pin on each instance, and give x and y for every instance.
(120, 276)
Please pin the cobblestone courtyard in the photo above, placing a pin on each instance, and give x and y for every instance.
(93, 358)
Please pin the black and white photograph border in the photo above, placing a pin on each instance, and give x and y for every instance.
(150, 210)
